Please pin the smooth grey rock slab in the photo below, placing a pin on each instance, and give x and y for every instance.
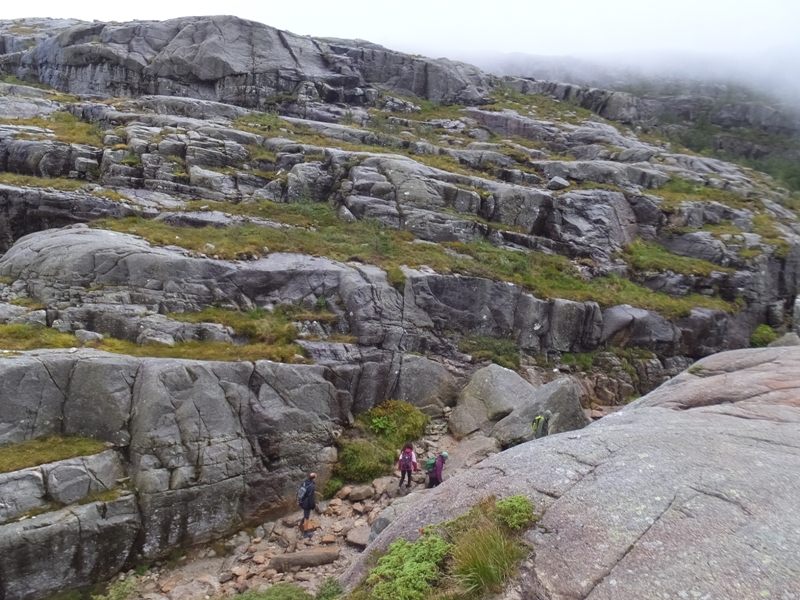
(685, 491)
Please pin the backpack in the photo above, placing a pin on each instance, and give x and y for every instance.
(430, 464)
(302, 492)
(406, 460)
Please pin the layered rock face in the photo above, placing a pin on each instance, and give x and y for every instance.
(688, 491)
(230, 60)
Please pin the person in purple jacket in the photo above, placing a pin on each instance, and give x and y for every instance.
(435, 476)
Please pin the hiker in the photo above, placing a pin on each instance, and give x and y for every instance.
(541, 425)
(306, 498)
(407, 462)
(435, 476)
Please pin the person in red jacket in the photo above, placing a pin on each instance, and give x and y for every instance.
(435, 476)
(407, 463)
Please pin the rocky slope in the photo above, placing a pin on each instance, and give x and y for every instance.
(687, 492)
(375, 240)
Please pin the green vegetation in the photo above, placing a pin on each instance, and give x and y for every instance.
(370, 449)
(515, 512)
(45, 450)
(583, 360)
(408, 570)
(280, 591)
(545, 107)
(57, 183)
(33, 512)
(502, 351)
(119, 590)
(27, 337)
(464, 559)
(546, 276)
(763, 336)
(66, 127)
(330, 589)
(363, 460)
(332, 487)
(678, 190)
(764, 226)
(649, 256)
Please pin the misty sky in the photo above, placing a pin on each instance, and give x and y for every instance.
(737, 28)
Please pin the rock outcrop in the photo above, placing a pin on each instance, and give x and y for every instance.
(687, 491)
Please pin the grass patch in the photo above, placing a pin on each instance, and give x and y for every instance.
(544, 107)
(371, 448)
(330, 589)
(27, 337)
(584, 361)
(648, 256)
(57, 183)
(33, 512)
(194, 350)
(765, 227)
(763, 336)
(678, 190)
(502, 351)
(45, 450)
(66, 127)
(546, 276)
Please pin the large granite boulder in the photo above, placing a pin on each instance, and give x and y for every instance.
(686, 492)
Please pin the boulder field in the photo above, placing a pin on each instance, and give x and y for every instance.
(688, 492)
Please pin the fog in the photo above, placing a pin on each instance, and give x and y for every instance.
(729, 39)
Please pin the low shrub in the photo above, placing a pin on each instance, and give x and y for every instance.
(363, 460)
(334, 485)
(119, 590)
(763, 336)
(394, 423)
(515, 512)
(330, 589)
(408, 570)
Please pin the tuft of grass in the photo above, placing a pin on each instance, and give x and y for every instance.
(678, 190)
(194, 350)
(104, 496)
(280, 591)
(484, 557)
(45, 450)
(649, 256)
(502, 351)
(763, 336)
(583, 360)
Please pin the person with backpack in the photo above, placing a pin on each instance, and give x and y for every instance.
(407, 462)
(306, 498)
(435, 473)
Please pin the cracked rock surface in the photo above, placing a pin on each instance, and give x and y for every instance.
(689, 491)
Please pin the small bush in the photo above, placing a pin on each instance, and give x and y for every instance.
(119, 590)
(334, 485)
(395, 422)
(330, 589)
(396, 278)
(407, 570)
(763, 336)
(515, 512)
(363, 460)
(280, 591)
